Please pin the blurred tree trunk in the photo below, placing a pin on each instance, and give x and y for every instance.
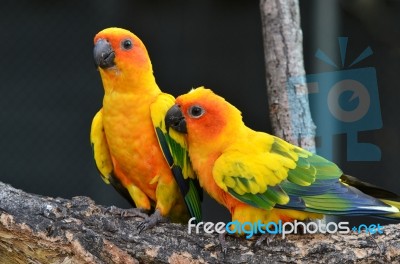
(37, 229)
(287, 91)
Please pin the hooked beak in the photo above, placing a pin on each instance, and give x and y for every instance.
(103, 54)
(174, 119)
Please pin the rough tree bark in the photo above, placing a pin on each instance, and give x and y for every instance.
(287, 91)
(37, 229)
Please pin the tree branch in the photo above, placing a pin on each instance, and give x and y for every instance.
(37, 229)
(287, 91)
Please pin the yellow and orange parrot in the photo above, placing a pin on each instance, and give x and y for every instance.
(128, 134)
(257, 176)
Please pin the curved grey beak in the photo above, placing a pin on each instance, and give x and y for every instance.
(103, 54)
(174, 119)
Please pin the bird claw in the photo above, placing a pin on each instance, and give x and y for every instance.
(268, 237)
(151, 221)
(222, 241)
(124, 213)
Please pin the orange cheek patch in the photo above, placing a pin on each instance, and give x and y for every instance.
(206, 126)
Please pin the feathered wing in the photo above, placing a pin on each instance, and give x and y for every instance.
(102, 156)
(173, 146)
(273, 173)
(385, 196)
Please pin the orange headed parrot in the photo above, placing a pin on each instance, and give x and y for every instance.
(257, 176)
(128, 134)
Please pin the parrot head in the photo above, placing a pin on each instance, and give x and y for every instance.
(118, 53)
(204, 116)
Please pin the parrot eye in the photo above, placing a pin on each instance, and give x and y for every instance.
(196, 111)
(126, 44)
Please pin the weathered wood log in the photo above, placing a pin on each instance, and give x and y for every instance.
(37, 229)
(287, 91)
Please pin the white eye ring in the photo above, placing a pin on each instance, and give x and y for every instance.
(196, 111)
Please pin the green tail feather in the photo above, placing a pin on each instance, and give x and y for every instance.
(193, 201)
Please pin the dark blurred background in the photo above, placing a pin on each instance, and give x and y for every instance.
(50, 89)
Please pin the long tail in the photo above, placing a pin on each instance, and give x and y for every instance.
(377, 192)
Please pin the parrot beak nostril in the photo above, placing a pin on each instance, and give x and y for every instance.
(103, 54)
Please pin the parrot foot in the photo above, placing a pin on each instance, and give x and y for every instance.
(130, 212)
(151, 221)
(267, 236)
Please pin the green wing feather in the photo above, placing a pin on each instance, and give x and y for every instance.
(173, 146)
(285, 176)
(255, 177)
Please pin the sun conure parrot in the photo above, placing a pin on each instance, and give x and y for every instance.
(257, 176)
(128, 134)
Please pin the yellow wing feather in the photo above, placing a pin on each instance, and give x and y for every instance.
(101, 152)
(252, 167)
